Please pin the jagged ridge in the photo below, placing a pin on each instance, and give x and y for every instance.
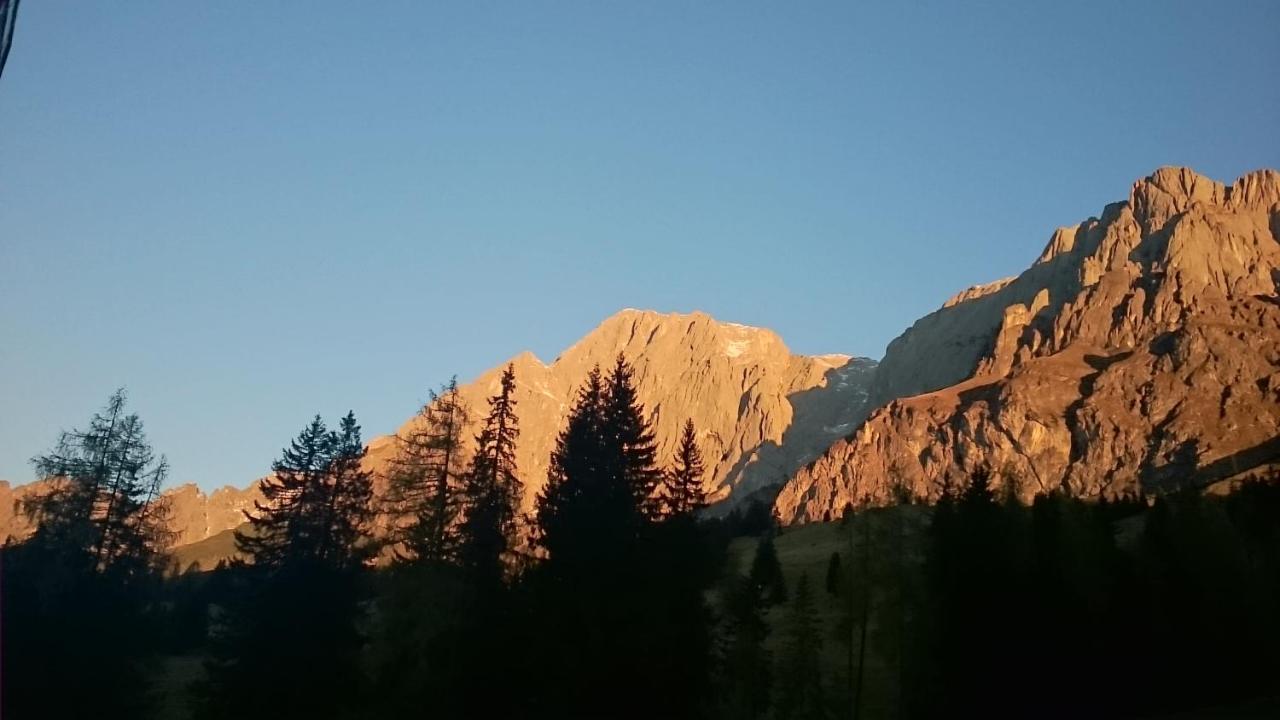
(1140, 350)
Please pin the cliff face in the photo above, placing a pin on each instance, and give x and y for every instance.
(761, 411)
(1140, 351)
(193, 514)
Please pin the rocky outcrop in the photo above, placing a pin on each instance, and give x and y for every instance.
(1141, 351)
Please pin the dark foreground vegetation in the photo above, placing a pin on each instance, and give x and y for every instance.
(438, 597)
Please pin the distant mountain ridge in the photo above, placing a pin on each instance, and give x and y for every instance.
(760, 410)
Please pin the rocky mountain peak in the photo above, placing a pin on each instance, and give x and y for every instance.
(1139, 349)
(761, 410)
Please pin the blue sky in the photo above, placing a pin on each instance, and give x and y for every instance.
(250, 212)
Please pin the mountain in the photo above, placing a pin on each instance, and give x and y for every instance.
(1140, 352)
(761, 411)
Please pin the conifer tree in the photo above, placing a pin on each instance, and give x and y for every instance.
(493, 491)
(317, 507)
(602, 484)
(299, 598)
(833, 574)
(284, 525)
(633, 449)
(683, 493)
(425, 478)
(578, 489)
(766, 572)
(79, 594)
(800, 692)
(349, 490)
(745, 677)
(621, 593)
(103, 503)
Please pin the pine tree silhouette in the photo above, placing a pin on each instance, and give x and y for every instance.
(766, 572)
(682, 491)
(800, 692)
(581, 498)
(746, 677)
(834, 574)
(299, 591)
(493, 491)
(348, 520)
(619, 594)
(633, 449)
(316, 507)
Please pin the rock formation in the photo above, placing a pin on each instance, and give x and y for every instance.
(1140, 352)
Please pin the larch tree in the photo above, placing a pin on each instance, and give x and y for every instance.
(103, 499)
(80, 593)
(425, 481)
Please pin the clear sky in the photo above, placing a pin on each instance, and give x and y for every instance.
(249, 212)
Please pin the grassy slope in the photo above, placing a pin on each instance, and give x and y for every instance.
(207, 553)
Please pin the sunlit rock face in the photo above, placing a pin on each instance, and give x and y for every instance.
(193, 514)
(1141, 351)
(760, 410)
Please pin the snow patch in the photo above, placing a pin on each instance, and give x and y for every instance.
(734, 348)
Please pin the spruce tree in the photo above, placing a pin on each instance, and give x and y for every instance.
(318, 503)
(833, 574)
(766, 572)
(285, 525)
(745, 676)
(425, 479)
(633, 450)
(493, 492)
(618, 594)
(349, 489)
(580, 499)
(800, 692)
(682, 492)
(298, 598)
(602, 483)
